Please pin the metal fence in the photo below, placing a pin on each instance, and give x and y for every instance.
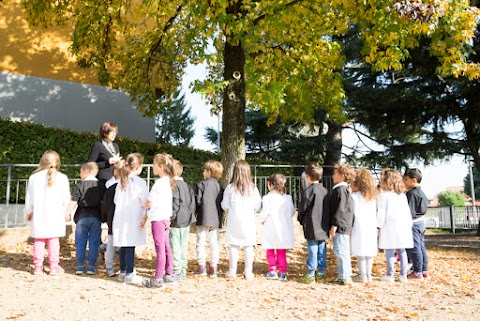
(453, 218)
(14, 180)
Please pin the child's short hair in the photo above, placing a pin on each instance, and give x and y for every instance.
(278, 182)
(414, 173)
(347, 171)
(177, 168)
(314, 171)
(215, 168)
(391, 180)
(90, 167)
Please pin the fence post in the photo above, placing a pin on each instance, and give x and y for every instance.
(452, 219)
(7, 201)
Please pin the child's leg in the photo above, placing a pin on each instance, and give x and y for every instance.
(321, 256)
(158, 233)
(362, 266)
(403, 261)
(272, 262)
(81, 237)
(213, 236)
(121, 258)
(168, 250)
(129, 259)
(282, 260)
(234, 249)
(312, 260)
(369, 264)
(184, 235)
(341, 247)
(110, 252)
(38, 252)
(94, 235)
(202, 232)
(249, 254)
(175, 243)
(53, 252)
(391, 259)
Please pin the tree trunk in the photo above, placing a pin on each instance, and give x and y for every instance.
(233, 127)
(333, 148)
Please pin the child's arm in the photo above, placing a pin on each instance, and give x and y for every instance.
(265, 209)
(381, 210)
(68, 212)
(303, 207)
(227, 194)
(148, 203)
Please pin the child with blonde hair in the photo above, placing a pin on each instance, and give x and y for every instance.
(241, 199)
(130, 197)
(159, 212)
(87, 196)
(394, 223)
(276, 216)
(363, 239)
(48, 193)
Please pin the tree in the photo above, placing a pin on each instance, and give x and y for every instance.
(476, 183)
(280, 56)
(174, 123)
(450, 198)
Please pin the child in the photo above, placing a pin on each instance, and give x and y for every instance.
(313, 215)
(88, 195)
(48, 193)
(108, 212)
(208, 196)
(130, 197)
(183, 215)
(341, 220)
(241, 199)
(277, 212)
(159, 212)
(418, 203)
(364, 232)
(394, 222)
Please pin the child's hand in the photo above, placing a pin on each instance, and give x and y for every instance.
(29, 216)
(142, 222)
(333, 229)
(68, 217)
(148, 204)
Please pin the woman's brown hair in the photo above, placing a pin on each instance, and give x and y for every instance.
(106, 128)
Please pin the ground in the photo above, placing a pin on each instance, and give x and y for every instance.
(453, 292)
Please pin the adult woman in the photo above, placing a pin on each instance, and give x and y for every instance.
(105, 152)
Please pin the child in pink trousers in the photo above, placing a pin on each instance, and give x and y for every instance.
(48, 194)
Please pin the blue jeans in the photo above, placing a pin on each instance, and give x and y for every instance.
(88, 229)
(341, 248)
(126, 257)
(317, 256)
(418, 255)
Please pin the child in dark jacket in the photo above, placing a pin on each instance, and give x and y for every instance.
(341, 220)
(183, 215)
(313, 215)
(208, 197)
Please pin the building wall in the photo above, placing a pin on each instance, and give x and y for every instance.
(40, 82)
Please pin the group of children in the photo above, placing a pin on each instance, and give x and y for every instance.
(350, 214)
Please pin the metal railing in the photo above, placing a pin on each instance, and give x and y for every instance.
(453, 218)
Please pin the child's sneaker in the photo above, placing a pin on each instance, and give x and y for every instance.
(133, 278)
(319, 277)
(168, 278)
(230, 275)
(426, 276)
(387, 278)
(271, 275)
(307, 279)
(110, 272)
(91, 270)
(121, 276)
(212, 271)
(80, 270)
(201, 270)
(56, 271)
(178, 276)
(249, 276)
(37, 270)
(415, 276)
(282, 276)
(342, 281)
(152, 283)
(402, 278)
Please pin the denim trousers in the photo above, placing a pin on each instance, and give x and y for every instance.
(126, 256)
(277, 260)
(418, 255)
(341, 248)
(88, 229)
(317, 256)
(179, 244)
(162, 247)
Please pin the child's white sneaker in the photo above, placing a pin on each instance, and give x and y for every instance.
(133, 278)
(121, 277)
(249, 276)
(387, 278)
(402, 278)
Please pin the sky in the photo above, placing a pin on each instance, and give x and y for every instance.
(436, 178)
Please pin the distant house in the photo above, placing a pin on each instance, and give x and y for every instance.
(41, 82)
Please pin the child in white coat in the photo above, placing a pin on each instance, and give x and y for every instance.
(48, 194)
(130, 197)
(277, 212)
(363, 239)
(394, 222)
(241, 199)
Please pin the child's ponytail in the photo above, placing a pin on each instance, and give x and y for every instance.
(167, 161)
(50, 160)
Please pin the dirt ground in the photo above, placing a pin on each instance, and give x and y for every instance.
(453, 292)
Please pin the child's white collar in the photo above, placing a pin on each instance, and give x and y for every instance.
(90, 178)
(340, 184)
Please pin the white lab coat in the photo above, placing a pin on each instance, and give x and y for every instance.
(241, 224)
(276, 215)
(364, 232)
(129, 211)
(394, 221)
(48, 204)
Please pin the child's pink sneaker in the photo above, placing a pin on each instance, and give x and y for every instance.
(37, 270)
(56, 271)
